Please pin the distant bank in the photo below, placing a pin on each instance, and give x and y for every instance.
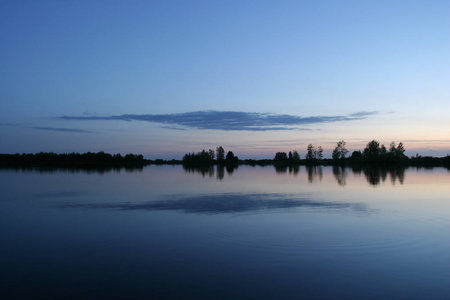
(106, 160)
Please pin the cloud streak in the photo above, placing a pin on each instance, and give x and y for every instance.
(228, 120)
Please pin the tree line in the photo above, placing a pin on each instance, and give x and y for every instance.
(210, 156)
(71, 159)
(372, 153)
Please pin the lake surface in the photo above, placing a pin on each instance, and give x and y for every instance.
(167, 232)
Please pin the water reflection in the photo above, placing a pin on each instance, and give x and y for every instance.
(75, 170)
(377, 175)
(257, 234)
(283, 169)
(220, 172)
(340, 174)
(230, 169)
(210, 170)
(204, 170)
(397, 174)
(314, 173)
(373, 175)
(226, 203)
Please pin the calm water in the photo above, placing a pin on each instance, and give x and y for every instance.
(165, 232)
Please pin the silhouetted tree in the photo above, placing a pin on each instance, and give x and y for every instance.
(310, 152)
(280, 156)
(117, 157)
(356, 155)
(318, 154)
(372, 151)
(230, 157)
(220, 153)
(340, 151)
(295, 156)
(290, 155)
(383, 151)
(392, 148)
(401, 150)
(204, 156)
(211, 154)
(397, 152)
(199, 157)
(313, 153)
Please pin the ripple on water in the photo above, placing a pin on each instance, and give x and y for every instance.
(388, 233)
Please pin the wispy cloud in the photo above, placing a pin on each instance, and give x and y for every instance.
(363, 114)
(13, 124)
(228, 120)
(173, 127)
(60, 129)
(29, 126)
(428, 141)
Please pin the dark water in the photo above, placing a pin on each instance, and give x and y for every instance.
(165, 232)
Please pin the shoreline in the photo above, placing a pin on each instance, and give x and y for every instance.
(103, 160)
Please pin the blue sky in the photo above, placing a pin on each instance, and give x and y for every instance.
(163, 78)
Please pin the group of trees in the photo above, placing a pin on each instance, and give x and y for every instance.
(210, 156)
(71, 159)
(292, 156)
(373, 152)
(312, 153)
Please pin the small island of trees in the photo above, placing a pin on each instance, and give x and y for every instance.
(210, 157)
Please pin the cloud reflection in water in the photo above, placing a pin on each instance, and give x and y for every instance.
(226, 203)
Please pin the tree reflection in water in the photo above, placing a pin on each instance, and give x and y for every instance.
(280, 168)
(211, 170)
(377, 175)
(230, 169)
(374, 175)
(220, 172)
(314, 173)
(340, 174)
(200, 169)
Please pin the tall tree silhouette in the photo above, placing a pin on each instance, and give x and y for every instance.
(339, 151)
(220, 153)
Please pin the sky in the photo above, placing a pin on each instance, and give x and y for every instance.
(163, 78)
